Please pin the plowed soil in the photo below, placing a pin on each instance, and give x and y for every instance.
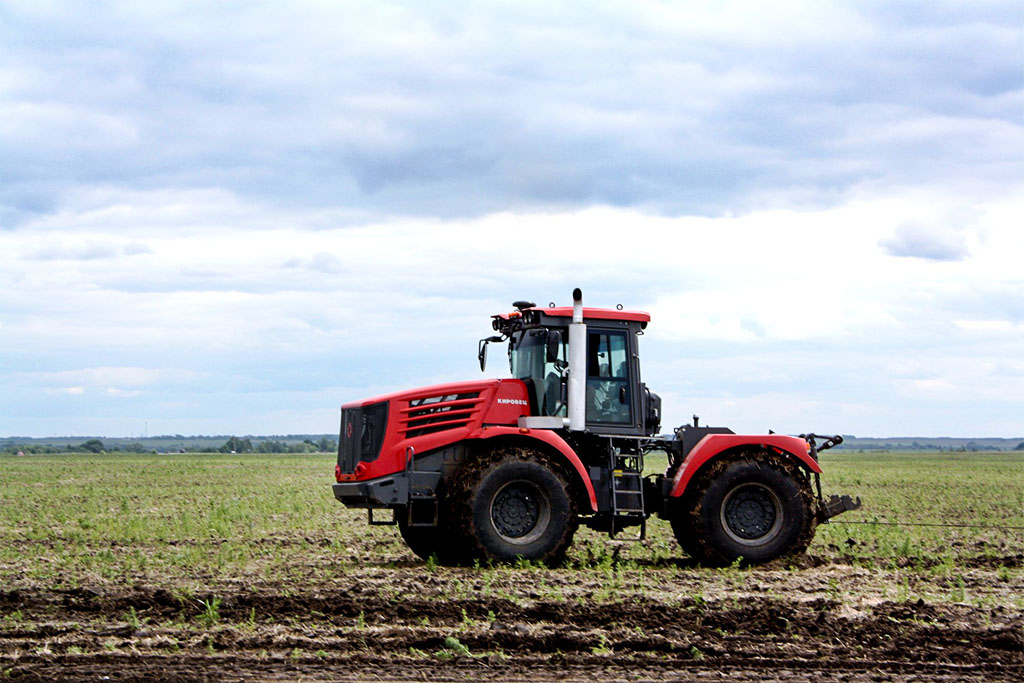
(409, 621)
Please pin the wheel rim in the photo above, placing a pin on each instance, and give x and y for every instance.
(752, 514)
(520, 512)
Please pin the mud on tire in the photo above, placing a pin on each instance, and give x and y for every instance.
(758, 507)
(511, 503)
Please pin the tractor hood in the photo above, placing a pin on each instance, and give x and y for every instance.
(379, 434)
(436, 390)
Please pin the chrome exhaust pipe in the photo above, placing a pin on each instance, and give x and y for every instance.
(577, 389)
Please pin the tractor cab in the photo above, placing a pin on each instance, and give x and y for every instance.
(608, 393)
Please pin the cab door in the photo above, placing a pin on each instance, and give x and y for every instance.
(611, 403)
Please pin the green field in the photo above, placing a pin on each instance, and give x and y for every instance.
(202, 566)
(68, 519)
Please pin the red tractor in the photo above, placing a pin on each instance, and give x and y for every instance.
(503, 469)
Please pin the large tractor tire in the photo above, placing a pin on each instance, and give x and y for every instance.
(509, 504)
(423, 541)
(757, 508)
(429, 541)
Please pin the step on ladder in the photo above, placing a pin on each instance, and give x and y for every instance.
(424, 508)
(627, 492)
(423, 504)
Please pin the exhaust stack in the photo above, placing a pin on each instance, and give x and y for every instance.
(577, 391)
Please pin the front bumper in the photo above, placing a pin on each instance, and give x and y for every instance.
(394, 489)
(380, 492)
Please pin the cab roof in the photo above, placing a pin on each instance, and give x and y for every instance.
(588, 313)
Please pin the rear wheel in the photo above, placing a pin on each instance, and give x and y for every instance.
(511, 504)
(756, 509)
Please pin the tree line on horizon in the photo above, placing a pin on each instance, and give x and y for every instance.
(233, 444)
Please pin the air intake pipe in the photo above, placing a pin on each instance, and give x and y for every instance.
(577, 391)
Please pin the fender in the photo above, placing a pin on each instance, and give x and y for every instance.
(714, 445)
(551, 439)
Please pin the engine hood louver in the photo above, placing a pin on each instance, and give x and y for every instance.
(432, 414)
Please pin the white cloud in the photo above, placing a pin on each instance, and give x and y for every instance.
(67, 391)
(122, 376)
(773, 304)
(940, 243)
(465, 110)
(126, 393)
(211, 206)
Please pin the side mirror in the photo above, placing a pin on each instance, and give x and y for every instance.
(481, 352)
(554, 344)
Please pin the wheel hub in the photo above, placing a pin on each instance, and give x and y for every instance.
(752, 514)
(515, 511)
(520, 512)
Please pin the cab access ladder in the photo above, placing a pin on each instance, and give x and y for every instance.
(627, 492)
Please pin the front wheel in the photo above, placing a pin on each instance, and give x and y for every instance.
(752, 509)
(513, 504)
(423, 541)
(427, 541)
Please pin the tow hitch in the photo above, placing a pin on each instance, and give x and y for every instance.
(835, 505)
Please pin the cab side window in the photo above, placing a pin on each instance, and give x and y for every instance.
(608, 392)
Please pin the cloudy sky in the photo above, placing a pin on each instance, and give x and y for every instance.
(232, 217)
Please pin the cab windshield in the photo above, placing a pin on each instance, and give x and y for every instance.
(528, 361)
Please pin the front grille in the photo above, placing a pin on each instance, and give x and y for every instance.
(362, 434)
(438, 413)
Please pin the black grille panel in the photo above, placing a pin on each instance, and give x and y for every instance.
(362, 434)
